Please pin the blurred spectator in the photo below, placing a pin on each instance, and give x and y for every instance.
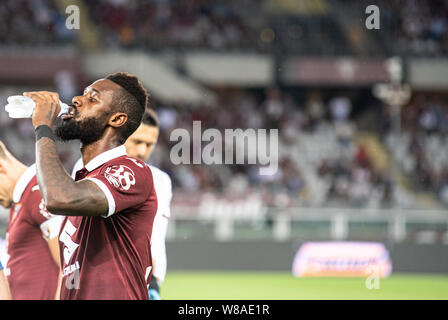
(65, 85)
(315, 109)
(340, 108)
(273, 106)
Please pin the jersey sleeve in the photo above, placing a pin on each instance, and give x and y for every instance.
(158, 248)
(166, 208)
(125, 184)
(163, 188)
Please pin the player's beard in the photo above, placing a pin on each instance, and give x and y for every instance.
(87, 131)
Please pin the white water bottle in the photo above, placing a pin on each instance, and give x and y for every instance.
(23, 107)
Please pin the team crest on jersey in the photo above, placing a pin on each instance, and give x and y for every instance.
(120, 176)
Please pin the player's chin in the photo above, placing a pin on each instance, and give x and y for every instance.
(65, 130)
(64, 121)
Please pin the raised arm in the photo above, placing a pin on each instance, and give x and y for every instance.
(61, 194)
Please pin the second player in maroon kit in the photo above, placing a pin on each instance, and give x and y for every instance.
(32, 259)
(117, 246)
(32, 272)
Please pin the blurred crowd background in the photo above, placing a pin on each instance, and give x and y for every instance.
(275, 26)
(337, 144)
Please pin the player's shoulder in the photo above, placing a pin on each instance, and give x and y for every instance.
(127, 163)
(124, 172)
(159, 173)
(126, 160)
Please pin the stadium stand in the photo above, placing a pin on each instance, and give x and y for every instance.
(324, 161)
(34, 23)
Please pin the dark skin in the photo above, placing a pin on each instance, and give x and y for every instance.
(62, 195)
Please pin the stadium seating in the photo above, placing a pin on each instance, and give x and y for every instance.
(319, 161)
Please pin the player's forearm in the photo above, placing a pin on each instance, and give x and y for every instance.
(54, 182)
(61, 194)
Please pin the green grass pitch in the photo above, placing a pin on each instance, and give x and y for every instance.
(283, 286)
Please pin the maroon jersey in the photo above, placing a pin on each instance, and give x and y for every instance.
(31, 270)
(110, 257)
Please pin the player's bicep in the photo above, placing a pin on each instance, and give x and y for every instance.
(102, 196)
(91, 200)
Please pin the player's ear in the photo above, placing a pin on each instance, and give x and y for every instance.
(118, 119)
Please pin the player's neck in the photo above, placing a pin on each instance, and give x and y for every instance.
(96, 148)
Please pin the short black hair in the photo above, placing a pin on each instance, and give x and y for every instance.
(132, 100)
(150, 118)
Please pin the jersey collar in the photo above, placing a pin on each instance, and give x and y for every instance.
(22, 183)
(104, 157)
